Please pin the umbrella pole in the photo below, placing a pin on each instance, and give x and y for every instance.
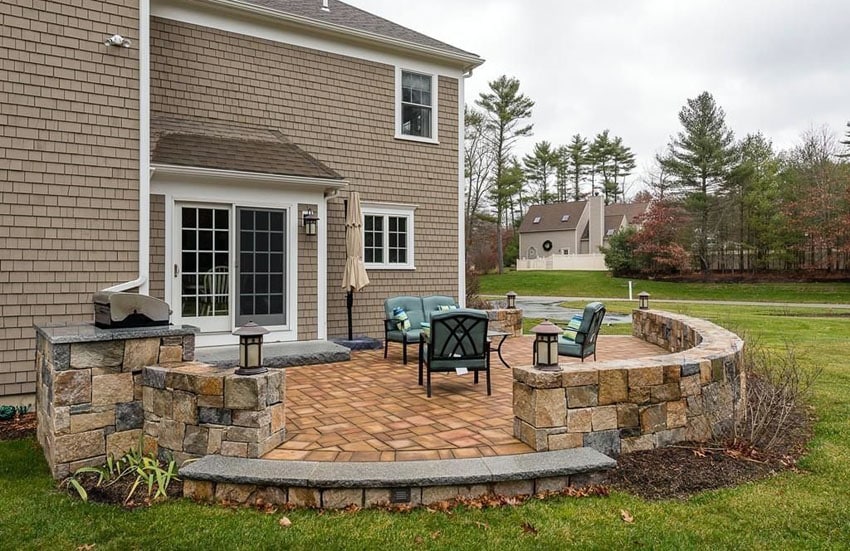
(349, 302)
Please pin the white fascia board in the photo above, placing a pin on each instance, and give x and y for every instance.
(461, 199)
(252, 20)
(325, 184)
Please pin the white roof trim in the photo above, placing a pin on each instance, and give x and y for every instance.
(469, 61)
(216, 173)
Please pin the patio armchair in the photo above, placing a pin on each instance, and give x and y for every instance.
(584, 343)
(456, 339)
(418, 310)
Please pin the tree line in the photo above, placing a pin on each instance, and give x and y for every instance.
(717, 202)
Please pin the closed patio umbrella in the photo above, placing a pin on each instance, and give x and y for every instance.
(354, 277)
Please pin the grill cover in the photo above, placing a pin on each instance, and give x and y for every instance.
(113, 309)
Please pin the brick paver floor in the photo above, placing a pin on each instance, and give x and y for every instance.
(373, 409)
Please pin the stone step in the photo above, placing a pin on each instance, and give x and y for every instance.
(339, 484)
(278, 354)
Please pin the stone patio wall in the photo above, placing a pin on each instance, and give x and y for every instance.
(194, 409)
(104, 392)
(694, 392)
(89, 391)
(507, 320)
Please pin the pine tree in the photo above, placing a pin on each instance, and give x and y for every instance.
(505, 110)
(699, 158)
(577, 164)
(539, 167)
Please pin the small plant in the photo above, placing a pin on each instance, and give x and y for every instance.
(7, 412)
(149, 474)
(23, 410)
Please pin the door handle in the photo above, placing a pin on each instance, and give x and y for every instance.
(176, 270)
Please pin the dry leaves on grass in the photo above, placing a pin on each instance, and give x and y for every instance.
(627, 516)
(284, 522)
(528, 528)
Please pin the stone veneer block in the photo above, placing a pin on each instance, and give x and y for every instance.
(234, 449)
(275, 387)
(214, 416)
(112, 389)
(523, 407)
(74, 447)
(628, 415)
(639, 395)
(582, 396)
(613, 386)
(246, 434)
(689, 386)
(72, 387)
(278, 417)
(579, 376)
(690, 368)
(553, 484)
(637, 444)
(603, 418)
(653, 418)
(579, 420)
(199, 490)
(604, 441)
(550, 407)
(101, 354)
(705, 372)
(665, 393)
(646, 376)
(564, 441)
(672, 373)
(536, 378)
(209, 386)
(119, 443)
(154, 377)
(170, 354)
(233, 493)
(85, 422)
(185, 407)
(129, 415)
(158, 402)
(254, 419)
(139, 353)
(340, 498)
(171, 434)
(216, 435)
(196, 440)
(304, 497)
(245, 392)
(677, 414)
(514, 488)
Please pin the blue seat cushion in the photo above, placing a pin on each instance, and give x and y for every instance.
(398, 336)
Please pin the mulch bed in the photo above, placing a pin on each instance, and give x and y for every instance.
(680, 471)
(19, 427)
(116, 493)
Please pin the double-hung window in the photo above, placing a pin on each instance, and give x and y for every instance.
(416, 106)
(388, 237)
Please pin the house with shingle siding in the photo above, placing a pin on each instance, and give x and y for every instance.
(567, 236)
(182, 165)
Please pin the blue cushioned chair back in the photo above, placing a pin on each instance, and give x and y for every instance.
(590, 323)
(431, 305)
(459, 334)
(411, 305)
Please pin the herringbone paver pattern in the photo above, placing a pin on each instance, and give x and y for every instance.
(372, 409)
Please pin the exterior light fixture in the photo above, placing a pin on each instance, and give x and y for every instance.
(310, 222)
(546, 346)
(117, 40)
(511, 298)
(251, 349)
(643, 300)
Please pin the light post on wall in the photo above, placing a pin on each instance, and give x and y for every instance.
(511, 300)
(251, 349)
(546, 346)
(643, 300)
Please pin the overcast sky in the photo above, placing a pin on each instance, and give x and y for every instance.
(779, 66)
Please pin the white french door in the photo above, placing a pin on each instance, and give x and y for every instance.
(230, 266)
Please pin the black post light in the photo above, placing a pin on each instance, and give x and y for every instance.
(251, 349)
(643, 300)
(511, 298)
(546, 346)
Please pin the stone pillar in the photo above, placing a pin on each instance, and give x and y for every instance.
(88, 390)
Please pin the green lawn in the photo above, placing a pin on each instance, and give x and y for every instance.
(602, 285)
(805, 510)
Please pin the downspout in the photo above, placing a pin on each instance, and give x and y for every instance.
(143, 281)
(322, 268)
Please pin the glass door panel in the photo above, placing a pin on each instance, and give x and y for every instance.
(204, 267)
(261, 287)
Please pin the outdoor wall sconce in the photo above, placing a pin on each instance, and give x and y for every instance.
(117, 40)
(310, 222)
(251, 349)
(643, 300)
(511, 298)
(546, 346)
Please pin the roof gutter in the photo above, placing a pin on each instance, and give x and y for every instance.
(468, 61)
(328, 184)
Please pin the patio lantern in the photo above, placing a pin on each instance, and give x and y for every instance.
(251, 349)
(511, 298)
(310, 222)
(643, 300)
(546, 346)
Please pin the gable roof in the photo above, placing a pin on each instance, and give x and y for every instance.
(551, 217)
(342, 17)
(230, 146)
(629, 210)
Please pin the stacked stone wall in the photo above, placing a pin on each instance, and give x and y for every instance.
(694, 393)
(507, 320)
(89, 392)
(195, 409)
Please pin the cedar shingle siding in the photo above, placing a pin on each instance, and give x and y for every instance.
(340, 110)
(69, 148)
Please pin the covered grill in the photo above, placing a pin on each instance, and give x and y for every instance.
(114, 309)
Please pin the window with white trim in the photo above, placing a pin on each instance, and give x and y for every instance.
(388, 237)
(416, 106)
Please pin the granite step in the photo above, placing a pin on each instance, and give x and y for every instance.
(279, 354)
(340, 484)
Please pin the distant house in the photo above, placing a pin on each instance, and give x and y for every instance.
(567, 236)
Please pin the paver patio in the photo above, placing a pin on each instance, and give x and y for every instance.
(373, 409)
